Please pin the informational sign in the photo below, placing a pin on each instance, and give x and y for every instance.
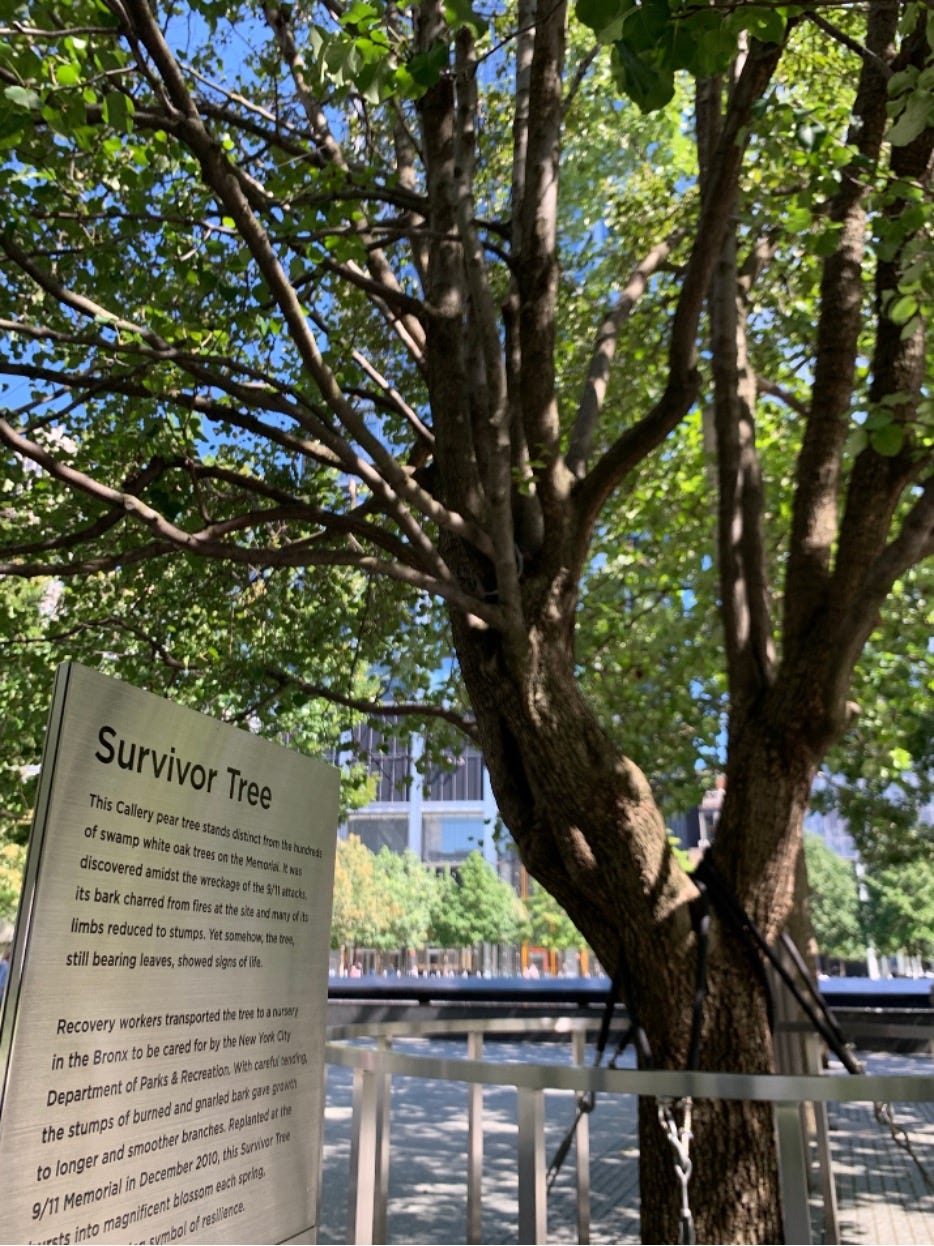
(163, 1035)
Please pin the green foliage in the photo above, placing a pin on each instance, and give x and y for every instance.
(549, 925)
(894, 914)
(12, 863)
(476, 906)
(361, 897)
(411, 892)
(834, 902)
(881, 776)
(901, 909)
(652, 40)
(392, 901)
(25, 694)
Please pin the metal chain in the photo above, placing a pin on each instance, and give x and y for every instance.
(885, 1116)
(586, 1101)
(680, 1139)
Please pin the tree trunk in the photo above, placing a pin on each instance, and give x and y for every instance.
(587, 828)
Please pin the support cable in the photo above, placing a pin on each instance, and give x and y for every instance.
(815, 1008)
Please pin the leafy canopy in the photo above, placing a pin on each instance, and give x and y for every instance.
(222, 269)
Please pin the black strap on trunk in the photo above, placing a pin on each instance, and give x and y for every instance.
(810, 1000)
(815, 1008)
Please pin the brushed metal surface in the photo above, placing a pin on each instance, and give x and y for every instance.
(163, 1041)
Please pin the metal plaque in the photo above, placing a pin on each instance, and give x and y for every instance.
(162, 1042)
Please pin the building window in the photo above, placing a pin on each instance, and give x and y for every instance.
(380, 831)
(463, 780)
(389, 762)
(451, 837)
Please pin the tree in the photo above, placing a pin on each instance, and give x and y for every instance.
(23, 673)
(834, 902)
(901, 909)
(550, 926)
(412, 890)
(361, 898)
(307, 295)
(474, 905)
(12, 860)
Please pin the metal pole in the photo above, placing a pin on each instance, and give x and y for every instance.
(582, 1149)
(533, 1210)
(812, 1057)
(362, 1159)
(793, 1174)
(381, 1190)
(474, 1146)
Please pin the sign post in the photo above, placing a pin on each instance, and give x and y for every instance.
(162, 1043)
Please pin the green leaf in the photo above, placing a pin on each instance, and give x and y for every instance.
(23, 97)
(604, 17)
(648, 85)
(826, 242)
(887, 440)
(857, 441)
(647, 28)
(765, 24)
(704, 44)
(903, 309)
(118, 111)
(810, 134)
(68, 75)
(461, 13)
(427, 67)
(917, 115)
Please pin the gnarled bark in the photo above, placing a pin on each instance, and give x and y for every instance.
(588, 829)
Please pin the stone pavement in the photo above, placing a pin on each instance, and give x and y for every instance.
(881, 1193)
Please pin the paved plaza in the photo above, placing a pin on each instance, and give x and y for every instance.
(881, 1192)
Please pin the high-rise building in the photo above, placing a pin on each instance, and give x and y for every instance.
(442, 812)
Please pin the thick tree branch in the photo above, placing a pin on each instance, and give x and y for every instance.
(407, 159)
(899, 372)
(682, 385)
(913, 543)
(536, 258)
(744, 588)
(604, 351)
(520, 462)
(491, 421)
(814, 523)
(449, 378)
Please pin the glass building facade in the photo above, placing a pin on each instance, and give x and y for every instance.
(440, 811)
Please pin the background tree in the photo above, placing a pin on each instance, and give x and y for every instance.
(901, 909)
(24, 666)
(12, 860)
(834, 902)
(308, 293)
(411, 889)
(474, 905)
(549, 925)
(361, 899)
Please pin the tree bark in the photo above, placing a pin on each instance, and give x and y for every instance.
(587, 829)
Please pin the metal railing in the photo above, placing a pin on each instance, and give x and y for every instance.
(375, 1063)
